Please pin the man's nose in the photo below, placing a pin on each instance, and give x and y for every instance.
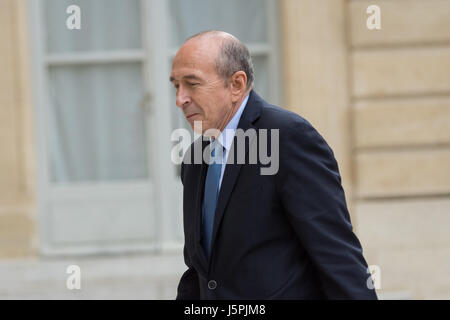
(182, 98)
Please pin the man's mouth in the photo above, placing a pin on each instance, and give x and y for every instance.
(190, 116)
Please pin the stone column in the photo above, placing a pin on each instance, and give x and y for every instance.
(316, 73)
(17, 201)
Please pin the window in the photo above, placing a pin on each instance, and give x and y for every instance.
(96, 123)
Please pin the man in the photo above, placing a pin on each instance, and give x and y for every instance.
(249, 235)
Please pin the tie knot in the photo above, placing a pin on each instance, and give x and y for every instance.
(215, 146)
(216, 152)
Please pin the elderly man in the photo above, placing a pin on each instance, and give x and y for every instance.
(250, 235)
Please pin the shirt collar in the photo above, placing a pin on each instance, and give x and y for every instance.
(227, 135)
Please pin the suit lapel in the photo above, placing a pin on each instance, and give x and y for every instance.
(198, 211)
(250, 114)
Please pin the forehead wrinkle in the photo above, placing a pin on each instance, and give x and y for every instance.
(183, 73)
(188, 69)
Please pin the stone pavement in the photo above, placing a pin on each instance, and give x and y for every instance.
(137, 276)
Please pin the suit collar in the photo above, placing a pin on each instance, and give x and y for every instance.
(252, 111)
(227, 134)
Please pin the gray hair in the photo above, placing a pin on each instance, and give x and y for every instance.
(233, 56)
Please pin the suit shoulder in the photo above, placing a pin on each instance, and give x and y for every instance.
(274, 117)
(291, 126)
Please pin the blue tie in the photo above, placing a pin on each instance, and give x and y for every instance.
(210, 198)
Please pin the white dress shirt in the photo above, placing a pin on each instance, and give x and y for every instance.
(226, 137)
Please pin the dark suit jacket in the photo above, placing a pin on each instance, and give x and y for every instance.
(282, 236)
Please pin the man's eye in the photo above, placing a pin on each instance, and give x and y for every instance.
(193, 84)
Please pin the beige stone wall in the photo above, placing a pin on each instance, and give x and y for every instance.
(382, 100)
(17, 200)
(400, 100)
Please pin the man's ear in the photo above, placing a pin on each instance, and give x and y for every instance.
(238, 84)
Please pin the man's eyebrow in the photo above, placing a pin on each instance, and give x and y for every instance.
(191, 77)
(186, 77)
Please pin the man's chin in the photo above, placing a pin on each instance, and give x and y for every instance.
(200, 128)
(197, 126)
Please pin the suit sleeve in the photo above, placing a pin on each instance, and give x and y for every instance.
(188, 287)
(310, 188)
